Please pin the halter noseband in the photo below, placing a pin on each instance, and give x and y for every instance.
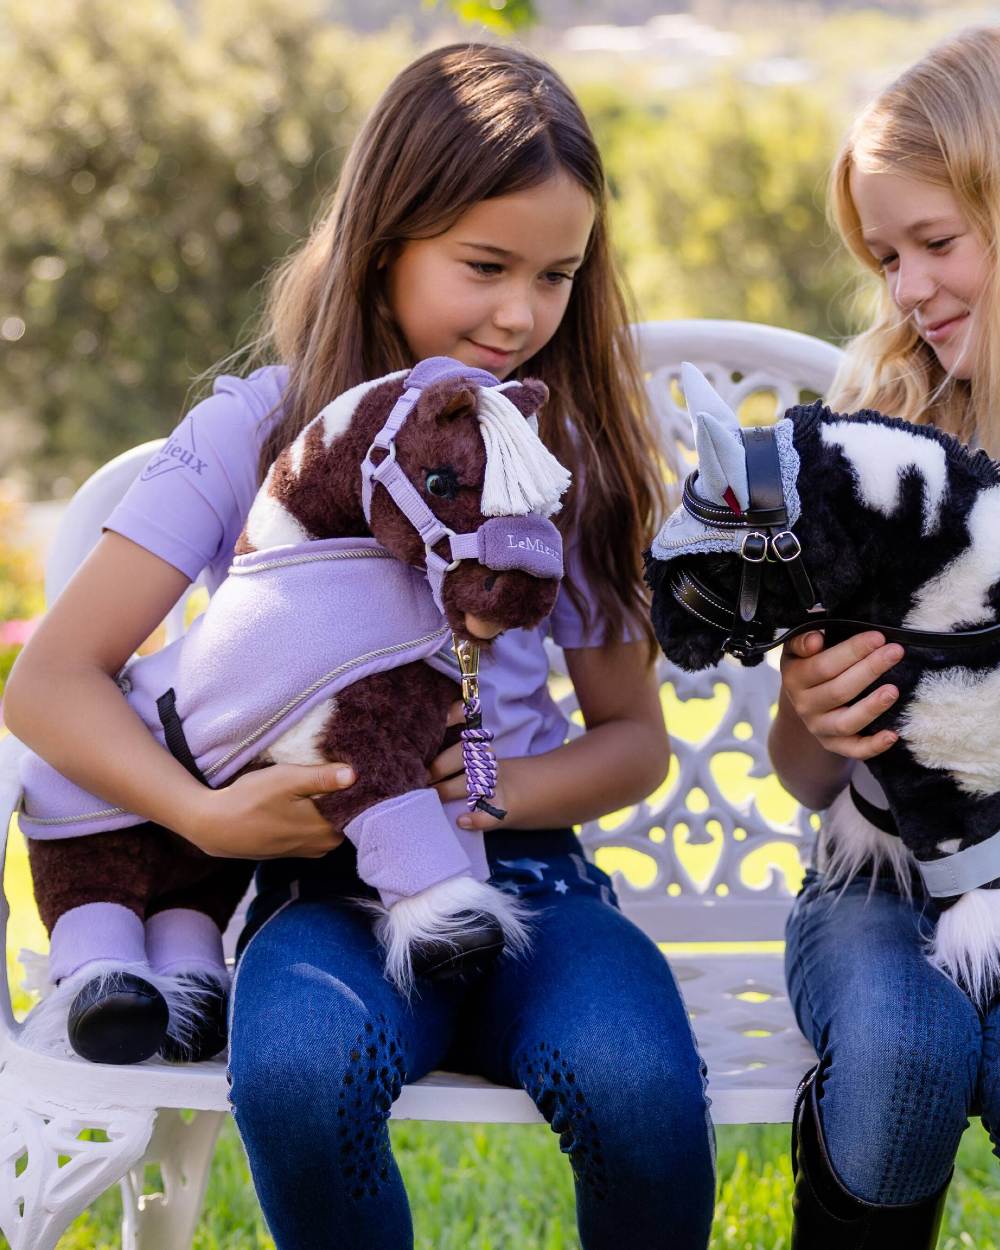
(768, 538)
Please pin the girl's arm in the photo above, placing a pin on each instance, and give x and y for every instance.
(816, 736)
(62, 701)
(623, 756)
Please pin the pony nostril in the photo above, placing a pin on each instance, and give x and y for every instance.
(490, 582)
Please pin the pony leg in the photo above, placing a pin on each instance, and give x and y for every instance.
(99, 995)
(435, 919)
(197, 897)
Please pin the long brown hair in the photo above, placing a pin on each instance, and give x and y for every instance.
(463, 124)
(939, 122)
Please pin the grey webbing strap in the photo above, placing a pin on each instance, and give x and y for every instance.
(953, 874)
(963, 870)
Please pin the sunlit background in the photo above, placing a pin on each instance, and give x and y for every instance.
(158, 158)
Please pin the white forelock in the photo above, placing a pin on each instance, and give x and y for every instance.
(522, 475)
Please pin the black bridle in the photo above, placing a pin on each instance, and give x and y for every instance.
(768, 538)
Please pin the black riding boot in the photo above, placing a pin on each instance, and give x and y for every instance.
(827, 1217)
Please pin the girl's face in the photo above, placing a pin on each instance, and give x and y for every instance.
(491, 290)
(935, 265)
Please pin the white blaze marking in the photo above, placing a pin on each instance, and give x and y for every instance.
(958, 593)
(879, 455)
(270, 524)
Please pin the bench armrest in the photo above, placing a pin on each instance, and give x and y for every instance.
(11, 750)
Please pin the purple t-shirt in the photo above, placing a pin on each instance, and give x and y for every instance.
(189, 505)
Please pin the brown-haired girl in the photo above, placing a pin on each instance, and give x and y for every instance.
(905, 1056)
(470, 221)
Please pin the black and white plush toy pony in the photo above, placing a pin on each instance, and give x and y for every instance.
(848, 523)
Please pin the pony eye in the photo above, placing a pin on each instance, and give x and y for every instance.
(442, 483)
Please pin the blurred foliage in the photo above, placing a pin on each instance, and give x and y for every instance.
(21, 596)
(153, 164)
(720, 203)
(157, 160)
(501, 15)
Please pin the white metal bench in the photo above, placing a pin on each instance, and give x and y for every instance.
(694, 866)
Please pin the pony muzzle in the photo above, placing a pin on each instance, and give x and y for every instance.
(526, 544)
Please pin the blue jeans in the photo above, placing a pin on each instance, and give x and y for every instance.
(590, 1024)
(905, 1057)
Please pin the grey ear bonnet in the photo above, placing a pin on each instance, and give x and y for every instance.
(684, 534)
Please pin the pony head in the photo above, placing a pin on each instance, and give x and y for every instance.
(443, 466)
(696, 562)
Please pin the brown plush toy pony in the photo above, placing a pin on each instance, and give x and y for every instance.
(408, 507)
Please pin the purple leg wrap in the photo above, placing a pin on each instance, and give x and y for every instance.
(95, 931)
(180, 939)
(405, 845)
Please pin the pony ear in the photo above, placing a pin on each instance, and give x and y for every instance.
(722, 465)
(528, 396)
(460, 403)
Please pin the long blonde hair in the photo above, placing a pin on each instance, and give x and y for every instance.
(459, 125)
(939, 122)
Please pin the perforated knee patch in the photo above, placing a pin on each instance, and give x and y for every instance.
(374, 1076)
(552, 1085)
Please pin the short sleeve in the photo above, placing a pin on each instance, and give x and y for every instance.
(567, 624)
(189, 503)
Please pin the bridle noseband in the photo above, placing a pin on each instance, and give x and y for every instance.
(767, 538)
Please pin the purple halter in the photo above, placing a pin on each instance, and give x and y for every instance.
(529, 543)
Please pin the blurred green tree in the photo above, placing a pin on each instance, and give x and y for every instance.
(719, 195)
(153, 164)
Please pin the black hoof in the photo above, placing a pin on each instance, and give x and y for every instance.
(464, 956)
(117, 1018)
(208, 1036)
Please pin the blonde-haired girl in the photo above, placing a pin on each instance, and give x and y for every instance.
(470, 221)
(904, 1055)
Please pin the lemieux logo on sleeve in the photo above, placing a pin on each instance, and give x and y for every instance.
(178, 452)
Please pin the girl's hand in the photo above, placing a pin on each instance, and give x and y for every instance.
(269, 813)
(819, 683)
(447, 774)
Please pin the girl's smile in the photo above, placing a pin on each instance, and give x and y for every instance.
(933, 262)
(492, 288)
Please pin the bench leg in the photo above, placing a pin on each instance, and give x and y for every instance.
(54, 1161)
(182, 1147)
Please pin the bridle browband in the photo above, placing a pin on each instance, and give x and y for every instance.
(768, 538)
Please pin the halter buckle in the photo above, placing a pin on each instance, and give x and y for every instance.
(754, 547)
(786, 546)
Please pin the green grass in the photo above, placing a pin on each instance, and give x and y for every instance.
(507, 1187)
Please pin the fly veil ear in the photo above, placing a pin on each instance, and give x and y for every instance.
(722, 468)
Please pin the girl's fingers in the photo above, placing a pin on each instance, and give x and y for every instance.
(829, 663)
(448, 763)
(862, 675)
(456, 713)
(452, 788)
(856, 748)
(848, 721)
(478, 820)
(843, 686)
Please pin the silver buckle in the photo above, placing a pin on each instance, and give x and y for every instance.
(743, 547)
(795, 554)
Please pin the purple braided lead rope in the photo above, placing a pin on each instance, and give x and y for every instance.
(479, 760)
